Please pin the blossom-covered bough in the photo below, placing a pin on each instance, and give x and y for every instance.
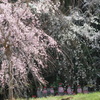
(22, 47)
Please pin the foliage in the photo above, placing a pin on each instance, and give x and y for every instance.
(77, 35)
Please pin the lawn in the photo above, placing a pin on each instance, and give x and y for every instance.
(90, 96)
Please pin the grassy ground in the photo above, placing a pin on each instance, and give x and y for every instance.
(90, 96)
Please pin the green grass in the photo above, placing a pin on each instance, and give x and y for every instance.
(90, 96)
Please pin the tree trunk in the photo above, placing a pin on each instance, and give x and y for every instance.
(11, 84)
(10, 95)
(8, 53)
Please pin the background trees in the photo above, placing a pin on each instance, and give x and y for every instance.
(77, 37)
